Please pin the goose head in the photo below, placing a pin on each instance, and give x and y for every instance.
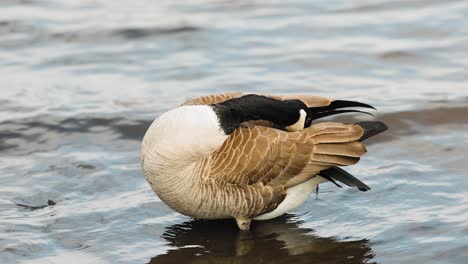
(306, 115)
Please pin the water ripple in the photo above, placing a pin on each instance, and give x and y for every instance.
(82, 81)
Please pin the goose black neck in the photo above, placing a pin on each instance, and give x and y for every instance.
(233, 112)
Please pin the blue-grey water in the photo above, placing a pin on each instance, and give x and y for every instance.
(80, 81)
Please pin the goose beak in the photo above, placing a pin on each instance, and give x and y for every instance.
(332, 109)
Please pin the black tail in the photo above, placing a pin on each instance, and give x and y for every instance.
(334, 174)
(371, 128)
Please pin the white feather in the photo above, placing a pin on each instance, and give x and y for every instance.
(185, 133)
(299, 125)
(295, 197)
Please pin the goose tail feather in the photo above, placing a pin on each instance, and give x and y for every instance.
(336, 174)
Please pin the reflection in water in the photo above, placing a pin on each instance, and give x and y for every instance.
(276, 241)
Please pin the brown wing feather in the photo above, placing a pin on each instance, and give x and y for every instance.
(310, 101)
(267, 161)
(261, 154)
(212, 98)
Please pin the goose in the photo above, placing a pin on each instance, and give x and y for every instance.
(251, 156)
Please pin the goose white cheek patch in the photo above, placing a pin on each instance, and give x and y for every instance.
(299, 125)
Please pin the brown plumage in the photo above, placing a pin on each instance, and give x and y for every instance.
(248, 174)
(310, 101)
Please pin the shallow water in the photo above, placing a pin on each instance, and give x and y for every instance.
(82, 80)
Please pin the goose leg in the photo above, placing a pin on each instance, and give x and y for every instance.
(243, 224)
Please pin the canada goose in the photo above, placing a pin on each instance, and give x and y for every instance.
(250, 157)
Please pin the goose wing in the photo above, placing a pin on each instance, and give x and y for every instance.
(259, 163)
(264, 156)
(212, 99)
(309, 100)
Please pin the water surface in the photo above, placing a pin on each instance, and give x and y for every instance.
(82, 80)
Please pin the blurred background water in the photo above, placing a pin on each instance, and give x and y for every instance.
(80, 81)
